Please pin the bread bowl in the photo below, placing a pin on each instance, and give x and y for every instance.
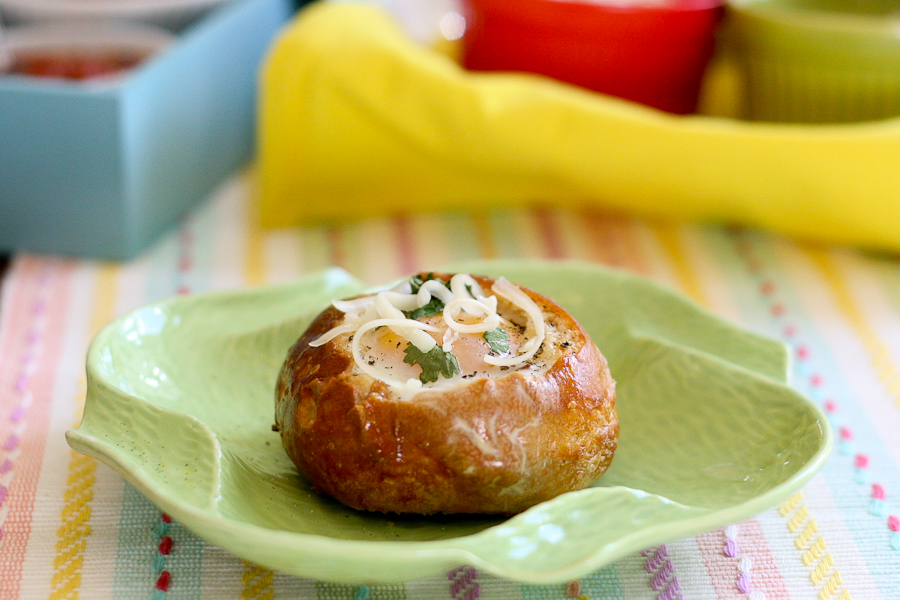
(411, 401)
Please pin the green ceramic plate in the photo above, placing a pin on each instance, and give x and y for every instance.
(180, 401)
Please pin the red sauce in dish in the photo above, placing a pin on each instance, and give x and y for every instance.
(74, 65)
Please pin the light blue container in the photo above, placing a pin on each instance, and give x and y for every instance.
(102, 172)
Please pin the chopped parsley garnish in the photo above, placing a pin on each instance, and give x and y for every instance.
(498, 340)
(416, 281)
(435, 306)
(434, 362)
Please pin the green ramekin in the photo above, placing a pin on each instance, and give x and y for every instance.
(817, 61)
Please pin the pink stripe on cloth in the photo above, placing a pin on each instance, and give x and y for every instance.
(336, 251)
(549, 233)
(34, 317)
(722, 560)
(19, 292)
(406, 247)
(615, 243)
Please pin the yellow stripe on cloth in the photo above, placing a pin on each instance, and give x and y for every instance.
(824, 575)
(76, 513)
(257, 580)
(257, 583)
(487, 246)
(685, 274)
(879, 353)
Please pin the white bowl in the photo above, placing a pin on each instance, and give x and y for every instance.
(172, 14)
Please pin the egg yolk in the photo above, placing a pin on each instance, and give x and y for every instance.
(384, 349)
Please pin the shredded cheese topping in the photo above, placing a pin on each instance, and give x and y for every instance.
(535, 320)
(463, 297)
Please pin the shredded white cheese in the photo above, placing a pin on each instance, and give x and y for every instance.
(403, 326)
(333, 333)
(519, 298)
(473, 307)
(464, 295)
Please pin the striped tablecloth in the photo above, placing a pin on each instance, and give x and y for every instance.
(72, 528)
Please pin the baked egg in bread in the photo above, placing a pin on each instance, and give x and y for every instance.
(451, 393)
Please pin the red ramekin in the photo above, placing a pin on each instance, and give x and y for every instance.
(652, 52)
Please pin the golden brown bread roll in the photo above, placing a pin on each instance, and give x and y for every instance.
(445, 431)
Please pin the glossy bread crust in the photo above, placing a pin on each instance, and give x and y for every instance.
(487, 445)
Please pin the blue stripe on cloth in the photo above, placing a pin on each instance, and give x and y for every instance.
(138, 560)
(142, 529)
(603, 584)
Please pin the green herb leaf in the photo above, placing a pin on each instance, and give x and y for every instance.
(435, 306)
(497, 339)
(434, 362)
(416, 281)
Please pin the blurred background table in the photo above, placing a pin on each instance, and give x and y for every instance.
(73, 528)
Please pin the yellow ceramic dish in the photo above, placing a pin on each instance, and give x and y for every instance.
(356, 120)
